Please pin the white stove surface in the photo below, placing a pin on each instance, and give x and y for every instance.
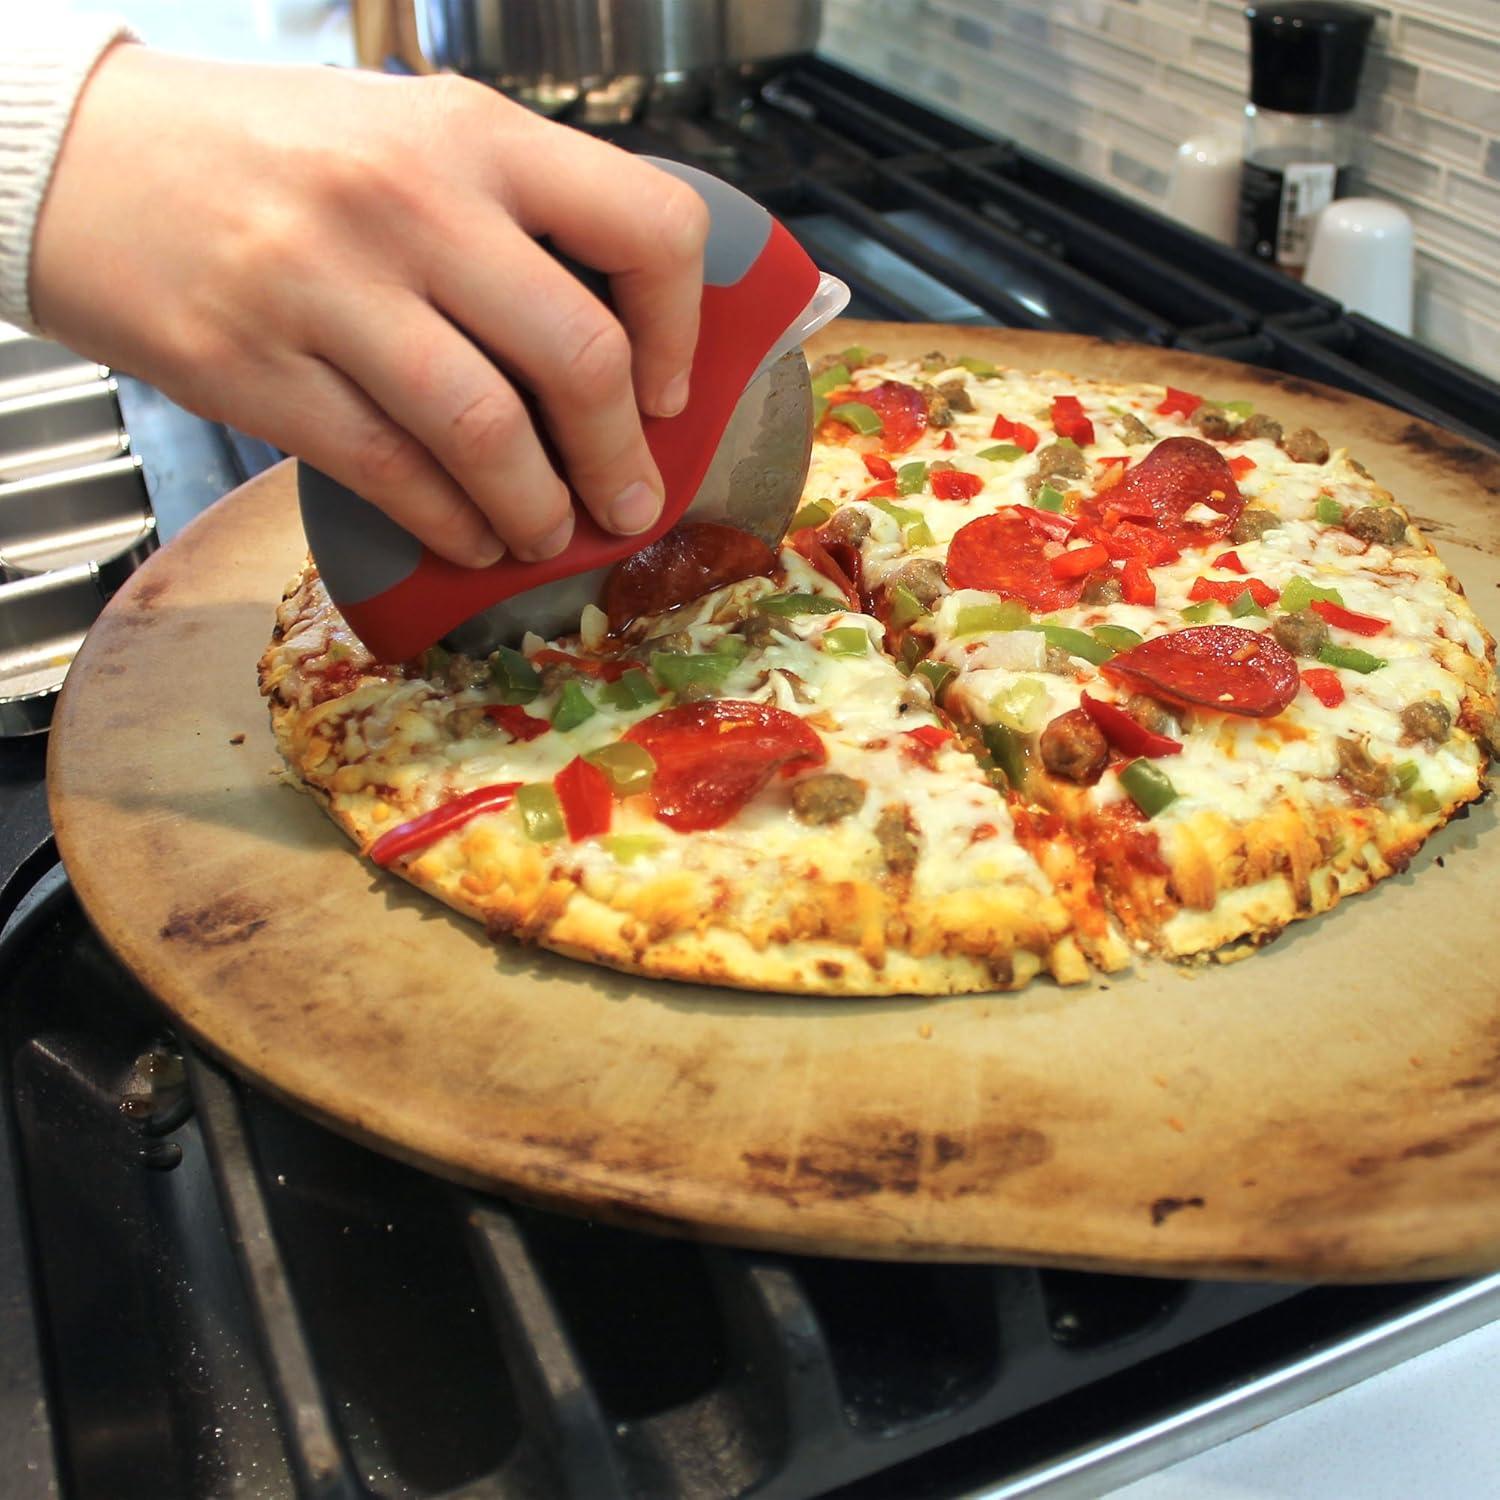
(1428, 1427)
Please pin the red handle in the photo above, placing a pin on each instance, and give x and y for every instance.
(738, 325)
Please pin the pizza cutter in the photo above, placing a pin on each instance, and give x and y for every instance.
(736, 455)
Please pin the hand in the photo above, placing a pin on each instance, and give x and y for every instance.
(343, 264)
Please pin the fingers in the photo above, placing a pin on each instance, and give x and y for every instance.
(561, 343)
(645, 229)
(431, 380)
(321, 416)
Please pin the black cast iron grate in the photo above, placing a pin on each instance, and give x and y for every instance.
(206, 1294)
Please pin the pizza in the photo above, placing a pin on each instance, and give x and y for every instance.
(1052, 675)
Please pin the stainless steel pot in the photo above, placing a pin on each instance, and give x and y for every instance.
(551, 52)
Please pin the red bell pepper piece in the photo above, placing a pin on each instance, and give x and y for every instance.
(1135, 582)
(1124, 733)
(1323, 683)
(520, 725)
(884, 490)
(1081, 560)
(1347, 619)
(1114, 458)
(418, 833)
(1069, 421)
(1227, 590)
(924, 742)
(1056, 526)
(1126, 539)
(587, 802)
(1019, 433)
(1231, 561)
(1240, 467)
(948, 442)
(880, 468)
(955, 484)
(1179, 403)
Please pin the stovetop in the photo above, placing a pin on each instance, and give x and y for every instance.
(202, 1293)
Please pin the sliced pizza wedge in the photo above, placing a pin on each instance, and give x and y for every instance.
(743, 792)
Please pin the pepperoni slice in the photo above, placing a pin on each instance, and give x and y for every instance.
(712, 758)
(1005, 554)
(1212, 666)
(902, 410)
(685, 564)
(1174, 476)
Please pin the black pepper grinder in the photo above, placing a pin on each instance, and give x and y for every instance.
(1305, 59)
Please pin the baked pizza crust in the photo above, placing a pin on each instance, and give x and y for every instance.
(848, 936)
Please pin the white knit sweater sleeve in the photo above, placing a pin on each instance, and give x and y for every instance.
(43, 68)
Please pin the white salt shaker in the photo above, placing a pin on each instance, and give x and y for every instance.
(1362, 255)
(1205, 187)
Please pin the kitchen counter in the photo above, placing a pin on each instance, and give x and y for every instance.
(1427, 1427)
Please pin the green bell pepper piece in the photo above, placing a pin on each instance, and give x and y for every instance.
(517, 679)
(1020, 705)
(913, 649)
(1329, 511)
(1300, 592)
(626, 848)
(1199, 613)
(1076, 643)
(1241, 409)
(627, 767)
(1006, 751)
(1007, 614)
(865, 420)
(855, 355)
(830, 380)
(1048, 499)
(902, 515)
(1421, 802)
(905, 607)
(1147, 786)
(573, 707)
(1120, 637)
(676, 669)
(977, 366)
(1244, 604)
(1005, 453)
(846, 640)
(938, 673)
(1406, 775)
(1351, 657)
(634, 689)
(800, 604)
(814, 513)
(541, 813)
(910, 478)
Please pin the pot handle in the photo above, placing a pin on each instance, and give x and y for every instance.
(387, 30)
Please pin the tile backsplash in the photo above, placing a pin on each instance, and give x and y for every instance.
(1113, 86)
